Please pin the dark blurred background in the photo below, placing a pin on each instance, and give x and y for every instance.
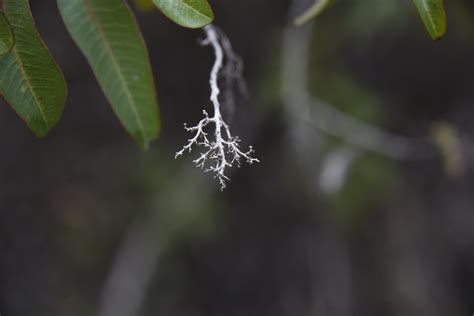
(363, 203)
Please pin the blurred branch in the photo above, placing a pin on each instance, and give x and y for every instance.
(139, 255)
(330, 279)
(319, 114)
(232, 75)
(335, 167)
(132, 271)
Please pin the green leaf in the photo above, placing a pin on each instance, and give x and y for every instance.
(30, 80)
(187, 13)
(6, 35)
(108, 35)
(433, 15)
(315, 10)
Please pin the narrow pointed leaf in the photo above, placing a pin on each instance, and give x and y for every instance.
(187, 13)
(315, 10)
(30, 80)
(433, 15)
(108, 35)
(6, 35)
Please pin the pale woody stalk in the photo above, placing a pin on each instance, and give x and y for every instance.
(223, 150)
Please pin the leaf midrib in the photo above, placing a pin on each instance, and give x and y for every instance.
(197, 11)
(102, 34)
(31, 88)
(430, 18)
(193, 9)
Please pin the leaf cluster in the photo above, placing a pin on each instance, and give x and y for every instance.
(109, 37)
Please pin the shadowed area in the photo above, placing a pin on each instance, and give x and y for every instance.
(361, 204)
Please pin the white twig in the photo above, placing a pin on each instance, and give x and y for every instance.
(224, 149)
